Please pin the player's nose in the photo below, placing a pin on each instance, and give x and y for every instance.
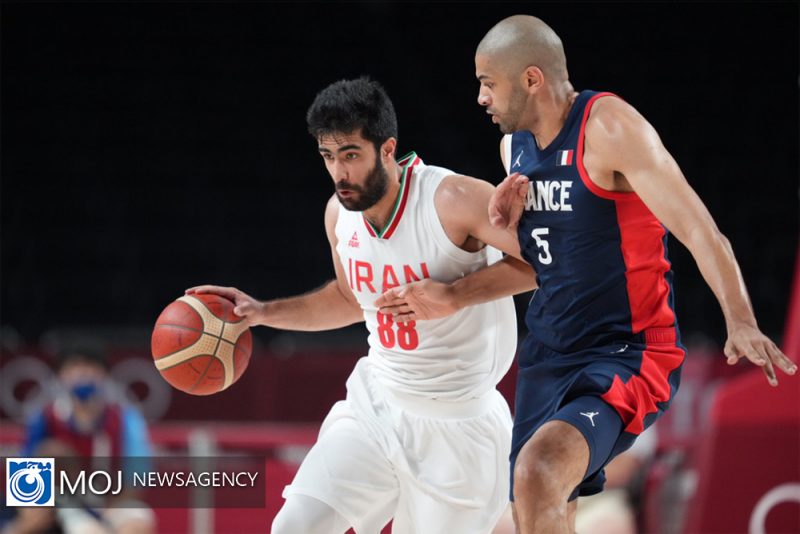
(483, 99)
(338, 171)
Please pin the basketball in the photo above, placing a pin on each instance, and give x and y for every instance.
(199, 345)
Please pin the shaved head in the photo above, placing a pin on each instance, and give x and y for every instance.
(521, 41)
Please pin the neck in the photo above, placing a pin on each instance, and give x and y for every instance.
(378, 215)
(552, 111)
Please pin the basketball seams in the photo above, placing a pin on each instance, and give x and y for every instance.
(224, 354)
(180, 326)
(213, 326)
(187, 361)
(211, 323)
(177, 358)
(227, 342)
(190, 363)
(235, 331)
(210, 363)
(201, 332)
(227, 360)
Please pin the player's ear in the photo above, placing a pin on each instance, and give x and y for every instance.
(388, 149)
(533, 79)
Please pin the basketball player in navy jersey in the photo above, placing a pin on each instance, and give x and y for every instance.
(592, 201)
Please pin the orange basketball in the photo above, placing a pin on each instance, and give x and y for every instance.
(199, 345)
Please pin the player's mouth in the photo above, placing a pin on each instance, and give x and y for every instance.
(345, 193)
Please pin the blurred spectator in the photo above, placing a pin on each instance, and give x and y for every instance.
(88, 421)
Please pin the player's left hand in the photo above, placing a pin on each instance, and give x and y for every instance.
(748, 341)
(418, 301)
(508, 201)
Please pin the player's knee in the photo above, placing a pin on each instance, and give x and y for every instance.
(546, 468)
(532, 477)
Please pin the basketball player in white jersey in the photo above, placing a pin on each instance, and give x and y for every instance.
(423, 436)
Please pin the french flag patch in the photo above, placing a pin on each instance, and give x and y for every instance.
(564, 158)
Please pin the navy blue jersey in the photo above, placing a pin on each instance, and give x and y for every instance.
(602, 327)
(600, 256)
(605, 283)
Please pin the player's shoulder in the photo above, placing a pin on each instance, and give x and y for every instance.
(457, 190)
(613, 118)
(332, 206)
(462, 201)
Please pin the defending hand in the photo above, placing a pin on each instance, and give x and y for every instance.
(418, 301)
(508, 201)
(748, 341)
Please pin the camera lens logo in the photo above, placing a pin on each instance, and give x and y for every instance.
(29, 481)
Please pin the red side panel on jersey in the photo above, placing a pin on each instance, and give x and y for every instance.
(645, 265)
(642, 244)
(636, 398)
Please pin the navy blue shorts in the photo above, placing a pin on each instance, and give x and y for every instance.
(609, 393)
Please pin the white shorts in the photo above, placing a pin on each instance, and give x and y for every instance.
(433, 466)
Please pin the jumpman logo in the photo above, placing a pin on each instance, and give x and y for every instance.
(590, 415)
(517, 163)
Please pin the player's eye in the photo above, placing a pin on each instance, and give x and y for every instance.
(351, 155)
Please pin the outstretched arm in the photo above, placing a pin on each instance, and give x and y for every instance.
(429, 299)
(620, 140)
(331, 306)
(461, 203)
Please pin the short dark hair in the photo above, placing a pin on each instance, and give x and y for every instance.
(347, 106)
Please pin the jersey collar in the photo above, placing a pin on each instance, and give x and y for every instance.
(407, 163)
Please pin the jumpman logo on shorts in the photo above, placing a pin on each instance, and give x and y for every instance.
(590, 415)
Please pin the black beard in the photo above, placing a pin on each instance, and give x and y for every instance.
(374, 189)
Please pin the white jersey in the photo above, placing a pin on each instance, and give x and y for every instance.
(456, 358)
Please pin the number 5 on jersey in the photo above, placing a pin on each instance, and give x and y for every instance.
(544, 256)
(406, 336)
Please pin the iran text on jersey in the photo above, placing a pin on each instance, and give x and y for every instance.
(455, 358)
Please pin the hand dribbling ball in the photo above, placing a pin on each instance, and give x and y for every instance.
(199, 345)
